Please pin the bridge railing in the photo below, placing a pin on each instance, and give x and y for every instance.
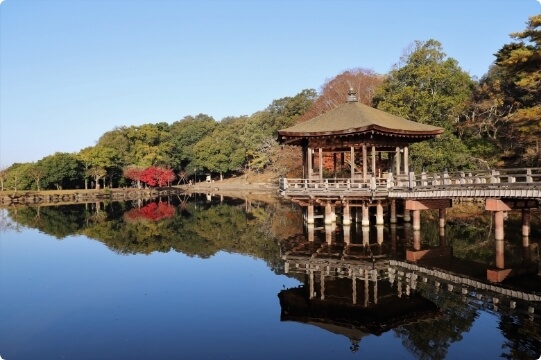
(519, 177)
(480, 178)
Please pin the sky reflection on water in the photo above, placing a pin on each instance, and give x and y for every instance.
(75, 298)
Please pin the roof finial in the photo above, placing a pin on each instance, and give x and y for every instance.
(352, 95)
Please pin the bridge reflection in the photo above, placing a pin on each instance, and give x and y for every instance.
(359, 281)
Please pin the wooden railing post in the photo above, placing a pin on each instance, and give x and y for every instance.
(411, 178)
(373, 184)
(446, 180)
(493, 177)
(390, 180)
(529, 177)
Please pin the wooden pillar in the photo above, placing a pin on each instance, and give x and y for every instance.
(366, 289)
(379, 213)
(392, 210)
(342, 162)
(309, 163)
(499, 239)
(416, 239)
(310, 230)
(346, 216)
(347, 234)
(397, 161)
(379, 234)
(310, 214)
(328, 233)
(379, 239)
(442, 217)
(500, 258)
(526, 219)
(416, 220)
(354, 289)
(392, 231)
(304, 162)
(406, 160)
(498, 225)
(374, 160)
(375, 280)
(328, 213)
(352, 150)
(407, 215)
(526, 252)
(312, 284)
(366, 235)
(334, 163)
(320, 164)
(366, 216)
(365, 164)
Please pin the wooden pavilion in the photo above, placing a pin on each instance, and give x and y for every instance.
(362, 142)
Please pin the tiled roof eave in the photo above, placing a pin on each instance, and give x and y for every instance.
(358, 131)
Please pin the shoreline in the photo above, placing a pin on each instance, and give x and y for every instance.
(54, 197)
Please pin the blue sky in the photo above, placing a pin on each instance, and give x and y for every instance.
(71, 70)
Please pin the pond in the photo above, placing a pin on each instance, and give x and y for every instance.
(212, 277)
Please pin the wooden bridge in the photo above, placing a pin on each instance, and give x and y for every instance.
(524, 183)
(502, 190)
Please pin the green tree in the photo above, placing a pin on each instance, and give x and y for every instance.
(36, 172)
(185, 134)
(103, 161)
(3, 175)
(17, 177)
(221, 152)
(519, 66)
(61, 170)
(259, 131)
(430, 88)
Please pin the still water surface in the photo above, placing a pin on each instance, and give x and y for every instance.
(208, 280)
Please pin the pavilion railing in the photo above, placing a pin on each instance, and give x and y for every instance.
(497, 178)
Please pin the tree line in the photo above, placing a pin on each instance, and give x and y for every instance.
(494, 121)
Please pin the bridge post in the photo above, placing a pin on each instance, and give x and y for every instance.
(366, 216)
(442, 217)
(310, 214)
(498, 225)
(346, 216)
(310, 230)
(328, 233)
(328, 213)
(366, 235)
(347, 234)
(407, 215)
(416, 220)
(526, 218)
(392, 210)
(416, 240)
(379, 234)
(379, 213)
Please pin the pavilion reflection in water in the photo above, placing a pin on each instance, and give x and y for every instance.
(358, 285)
